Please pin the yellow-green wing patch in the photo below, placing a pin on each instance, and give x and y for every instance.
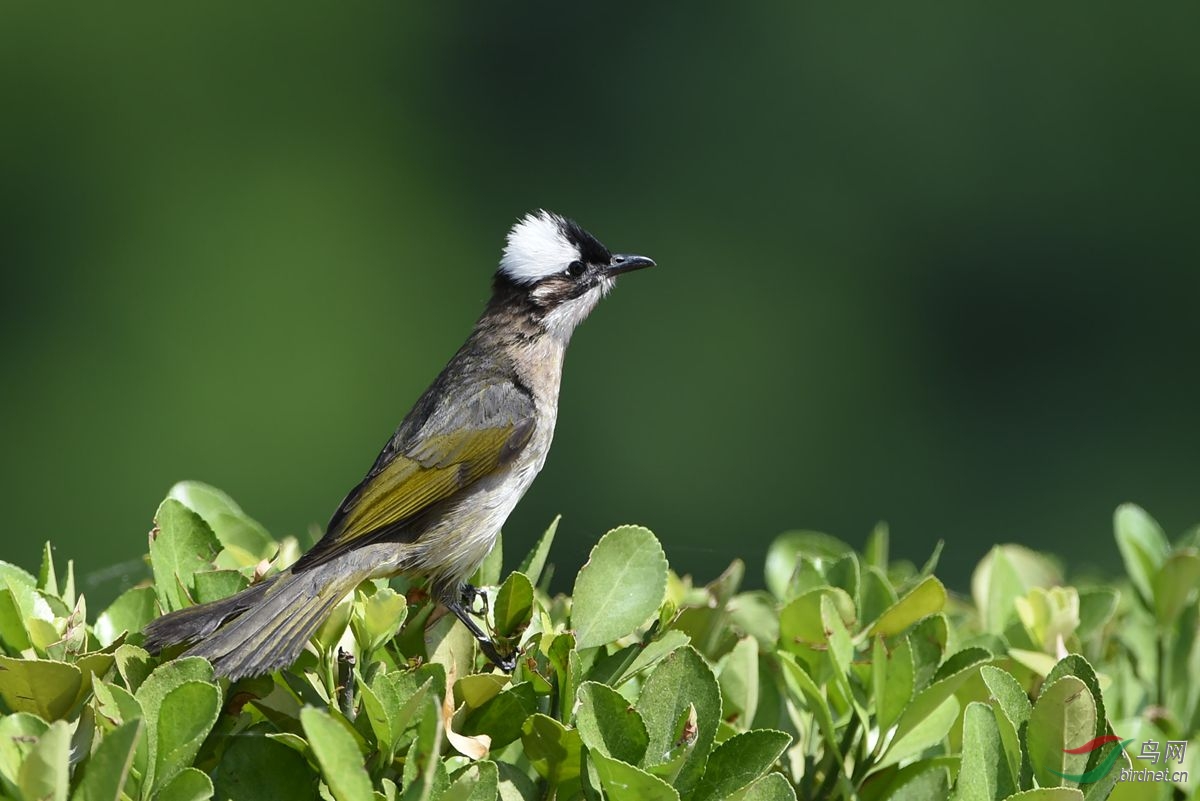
(441, 466)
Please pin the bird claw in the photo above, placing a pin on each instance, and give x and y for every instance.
(468, 595)
(507, 663)
(462, 608)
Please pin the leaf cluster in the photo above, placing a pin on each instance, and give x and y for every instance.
(852, 676)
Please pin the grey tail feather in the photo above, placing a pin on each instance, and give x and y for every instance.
(261, 629)
(193, 623)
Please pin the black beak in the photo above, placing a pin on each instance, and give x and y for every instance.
(625, 263)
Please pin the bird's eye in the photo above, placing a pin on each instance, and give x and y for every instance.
(575, 268)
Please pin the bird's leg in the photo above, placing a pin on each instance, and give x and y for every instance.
(469, 593)
(461, 609)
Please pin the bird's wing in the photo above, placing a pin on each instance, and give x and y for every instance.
(448, 452)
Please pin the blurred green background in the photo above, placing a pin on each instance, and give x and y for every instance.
(929, 264)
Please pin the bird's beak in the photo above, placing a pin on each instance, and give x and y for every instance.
(624, 263)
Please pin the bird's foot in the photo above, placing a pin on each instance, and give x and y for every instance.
(468, 595)
(461, 609)
(506, 662)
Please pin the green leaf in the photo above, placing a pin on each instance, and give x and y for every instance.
(1096, 607)
(1064, 716)
(931, 701)
(11, 575)
(515, 785)
(739, 761)
(1048, 794)
(893, 678)
(116, 705)
(755, 613)
(682, 680)
(213, 585)
(1049, 616)
(134, 664)
(925, 599)
(929, 716)
(1012, 714)
(479, 688)
(805, 691)
(45, 688)
(928, 642)
(450, 644)
(841, 649)
(807, 576)
(738, 677)
(186, 714)
(106, 771)
(620, 587)
(800, 626)
(787, 548)
(12, 623)
(1005, 574)
(925, 731)
(932, 562)
(876, 593)
(48, 579)
(1176, 585)
(514, 605)
(503, 717)
(189, 784)
(238, 533)
(844, 574)
(1040, 663)
(425, 775)
(609, 724)
(132, 610)
(379, 718)
(181, 546)
(415, 701)
(339, 757)
(478, 781)
(377, 617)
(623, 782)
(535, 561)
(1143, 547)
(772, 787)
(986, 773)
(649, 655)
(1075, 665)
(253, 767)
(23, 610)
(151, 696)
(45, 773)
(920, 780)
(554, 750)
(18, 734)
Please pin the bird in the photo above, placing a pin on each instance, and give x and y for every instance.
(433, 503)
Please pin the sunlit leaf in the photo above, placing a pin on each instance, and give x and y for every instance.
(620, 586)
(340, 760)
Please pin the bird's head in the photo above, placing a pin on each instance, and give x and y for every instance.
(560, 269)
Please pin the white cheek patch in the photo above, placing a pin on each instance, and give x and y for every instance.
(537, 248)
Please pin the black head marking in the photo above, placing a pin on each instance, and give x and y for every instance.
(591, 250)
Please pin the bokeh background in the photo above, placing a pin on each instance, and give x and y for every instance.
(933, 265)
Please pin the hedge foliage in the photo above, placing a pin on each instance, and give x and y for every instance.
(852, 676)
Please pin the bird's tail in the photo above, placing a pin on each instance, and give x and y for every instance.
(260, 629)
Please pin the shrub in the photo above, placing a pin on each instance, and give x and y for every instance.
(851, 676)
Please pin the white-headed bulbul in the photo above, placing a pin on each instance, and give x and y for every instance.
(437, 495)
